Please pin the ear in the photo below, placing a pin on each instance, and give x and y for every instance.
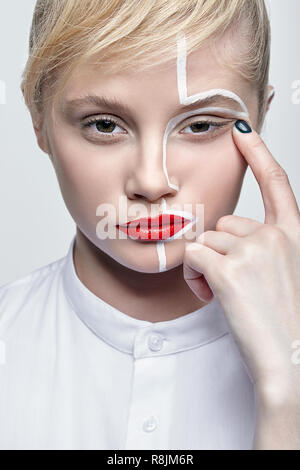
(271, 95)
(37, 122)
(40, 137)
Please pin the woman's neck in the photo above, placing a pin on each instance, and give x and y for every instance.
(152, 297)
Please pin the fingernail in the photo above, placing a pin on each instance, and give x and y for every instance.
(243, 126)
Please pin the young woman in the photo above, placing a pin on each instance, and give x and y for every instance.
(170, 323)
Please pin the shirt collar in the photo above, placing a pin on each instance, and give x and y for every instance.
(140, 337)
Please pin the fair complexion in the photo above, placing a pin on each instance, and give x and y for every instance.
(209, 170)
(93, 169)
(253, 269)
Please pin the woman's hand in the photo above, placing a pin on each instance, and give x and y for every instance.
(253, 269)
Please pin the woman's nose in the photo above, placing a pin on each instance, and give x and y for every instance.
(150, 178)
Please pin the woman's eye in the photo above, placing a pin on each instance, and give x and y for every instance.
(108, 128)
(205, 128)
(102, 126)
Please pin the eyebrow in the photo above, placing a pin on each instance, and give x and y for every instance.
(115, 104)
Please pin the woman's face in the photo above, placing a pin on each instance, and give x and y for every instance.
(107, 170)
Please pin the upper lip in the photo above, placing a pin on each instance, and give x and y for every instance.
(160, 219)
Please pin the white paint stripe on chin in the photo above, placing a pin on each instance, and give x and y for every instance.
(160, 247)
(161, 256)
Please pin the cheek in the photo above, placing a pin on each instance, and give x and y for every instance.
(213, 175)
(87, 174)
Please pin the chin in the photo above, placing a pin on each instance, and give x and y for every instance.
(147, 262)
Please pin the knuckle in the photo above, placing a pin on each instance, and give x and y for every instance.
(273, 235)
(258, 142)
(246, 253)
(232, 271)
(276, 173)
(205, 235)
(222, 221)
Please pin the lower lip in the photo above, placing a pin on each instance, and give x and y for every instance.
(157, 233)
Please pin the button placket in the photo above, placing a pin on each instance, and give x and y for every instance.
(151, 403)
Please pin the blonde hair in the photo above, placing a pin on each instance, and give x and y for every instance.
(139, 33)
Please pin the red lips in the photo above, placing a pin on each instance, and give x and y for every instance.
(154, 228)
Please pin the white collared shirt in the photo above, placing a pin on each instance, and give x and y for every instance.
(77, 373)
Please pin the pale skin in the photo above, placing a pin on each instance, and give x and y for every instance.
(129, 272)
(253, 269)
(230, 258)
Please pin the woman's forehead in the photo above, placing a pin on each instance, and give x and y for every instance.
(190, 81)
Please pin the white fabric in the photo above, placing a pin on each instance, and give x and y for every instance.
(76, 373)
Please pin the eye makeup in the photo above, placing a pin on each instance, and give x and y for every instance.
(200, 117)
(211, 128)
(96, 135)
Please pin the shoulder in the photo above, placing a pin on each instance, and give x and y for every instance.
(30, 290)
(26, 282)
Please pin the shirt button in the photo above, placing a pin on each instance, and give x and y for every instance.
(150, 424)
(155, 342)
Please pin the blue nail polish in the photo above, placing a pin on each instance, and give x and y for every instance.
(243, 126)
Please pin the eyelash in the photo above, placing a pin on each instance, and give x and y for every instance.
(208, 133)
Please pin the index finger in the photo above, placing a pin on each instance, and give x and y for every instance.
(278, 197)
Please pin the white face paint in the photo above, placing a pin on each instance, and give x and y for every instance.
(186, 100)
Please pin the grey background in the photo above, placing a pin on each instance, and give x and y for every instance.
(36, 228)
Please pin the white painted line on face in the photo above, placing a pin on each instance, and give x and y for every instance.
(182, 80)
(161, 256)
(160, 247)
(186, 215)
(186, 100)
(163, 204)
